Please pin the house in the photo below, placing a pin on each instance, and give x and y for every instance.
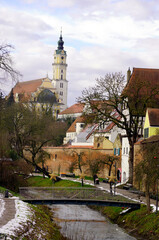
(73, 111)
(142, 86)
(151, 126)
(75, 128)
(102, 142)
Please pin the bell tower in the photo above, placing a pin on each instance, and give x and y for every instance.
(59, 73)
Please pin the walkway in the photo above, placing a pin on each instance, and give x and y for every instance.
(126, 193)
(9, 211)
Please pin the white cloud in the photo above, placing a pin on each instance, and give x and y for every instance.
(100, 37)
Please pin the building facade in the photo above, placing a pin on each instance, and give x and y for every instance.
(59, 73)
(45, 92)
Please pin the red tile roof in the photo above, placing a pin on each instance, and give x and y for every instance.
(76, 108)
(28, 86)
(72, 128)
(153, 114)
(144, 79)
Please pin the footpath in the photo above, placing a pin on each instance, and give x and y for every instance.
(8, 210)
(123, 192)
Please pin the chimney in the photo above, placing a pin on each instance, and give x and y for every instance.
(128, 74)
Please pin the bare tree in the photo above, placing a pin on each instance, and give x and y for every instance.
(147, 170)
(112, 101)
(6, 63)
(29, 132)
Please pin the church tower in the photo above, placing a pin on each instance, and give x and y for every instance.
(59, 73)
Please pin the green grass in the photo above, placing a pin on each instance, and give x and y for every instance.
(138, 222)
(39, 182)
(3, 189)
(46, 182)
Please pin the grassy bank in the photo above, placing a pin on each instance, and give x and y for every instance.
(40, 226)
(46, 182)
(138, 223)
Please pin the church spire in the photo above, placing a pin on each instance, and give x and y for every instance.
(60, 42)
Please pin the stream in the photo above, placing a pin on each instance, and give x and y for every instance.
(82, 223)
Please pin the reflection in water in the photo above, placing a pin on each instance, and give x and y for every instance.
(83, 223)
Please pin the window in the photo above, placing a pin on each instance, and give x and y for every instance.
(124, 151)
(114, 151)
(146, 133)
(61, 93)
(117, 151)
(127, 150)
(61, 76)
(61, 70)
(61, 85)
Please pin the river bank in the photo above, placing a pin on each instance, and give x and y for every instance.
(137, 223)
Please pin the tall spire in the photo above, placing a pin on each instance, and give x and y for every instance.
(60, 41)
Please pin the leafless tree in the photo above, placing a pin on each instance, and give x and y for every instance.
(6, 63)
(111, 101)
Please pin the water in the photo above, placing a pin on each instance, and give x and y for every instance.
(83, 223)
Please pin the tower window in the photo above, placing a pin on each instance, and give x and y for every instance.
(61, 93)
(61, 70)
(61, 76)
(61, 85)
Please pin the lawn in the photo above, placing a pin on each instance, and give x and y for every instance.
(46, 182)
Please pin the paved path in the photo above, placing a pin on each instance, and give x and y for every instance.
(124, 192)
(9, 211)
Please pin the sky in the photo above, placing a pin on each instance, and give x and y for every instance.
(100, 37)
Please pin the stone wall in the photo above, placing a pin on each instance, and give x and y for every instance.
(61, 158)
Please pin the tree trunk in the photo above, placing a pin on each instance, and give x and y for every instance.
(147, 198)
(110, 168)
(131, 163)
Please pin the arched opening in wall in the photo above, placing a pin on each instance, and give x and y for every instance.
(119, 175)
(98, 145)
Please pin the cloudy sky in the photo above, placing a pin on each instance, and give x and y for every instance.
(100, 36)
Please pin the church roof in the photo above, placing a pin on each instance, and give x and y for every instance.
(28, 86)
(76, 108)
(46, 96)
(25, 89)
